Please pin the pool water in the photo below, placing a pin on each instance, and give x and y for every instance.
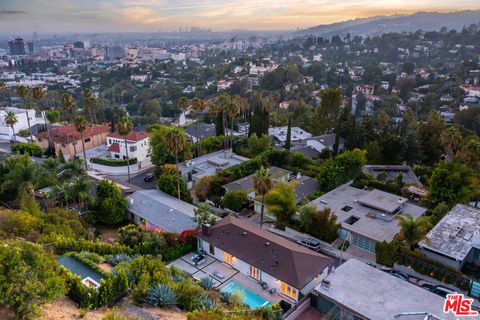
(253, 300)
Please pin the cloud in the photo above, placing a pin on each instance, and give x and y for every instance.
(12, 12)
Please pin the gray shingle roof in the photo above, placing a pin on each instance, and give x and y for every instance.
(162, 210)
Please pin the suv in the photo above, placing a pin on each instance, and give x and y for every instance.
(443, 291)
(148, 177)
(310, 243)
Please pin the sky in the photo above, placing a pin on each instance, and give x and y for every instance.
(59, 16)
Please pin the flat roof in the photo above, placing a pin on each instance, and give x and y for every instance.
(372, 223)
(382, 201)
(162, 210)
(377, 295)
(456, 234)
(392, 172)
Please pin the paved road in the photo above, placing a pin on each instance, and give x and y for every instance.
(136, 180)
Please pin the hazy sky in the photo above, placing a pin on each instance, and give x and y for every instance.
(20, 16)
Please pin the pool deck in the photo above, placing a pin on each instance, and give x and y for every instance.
(212, 265)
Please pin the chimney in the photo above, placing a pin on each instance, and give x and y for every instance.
(326, 284)
(206, 229)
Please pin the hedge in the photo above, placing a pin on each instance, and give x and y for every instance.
(113, 162)
(27, 147)
(63, 245)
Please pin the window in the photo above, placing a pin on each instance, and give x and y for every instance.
(288, 290)
(212, 250)
(255, 273)
(109, 141)
(351, 220)
(117, 156)
(347, 208)
(227, 258)
(87, 140)
(133, 148)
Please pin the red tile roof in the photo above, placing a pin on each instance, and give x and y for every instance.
(114, 147)
(68, 133)
(133, 136)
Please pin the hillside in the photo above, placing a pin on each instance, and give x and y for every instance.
(427, 21)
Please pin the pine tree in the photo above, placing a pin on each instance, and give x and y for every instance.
(288, 142)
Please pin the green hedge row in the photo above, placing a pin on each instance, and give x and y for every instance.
(64, 245)
(27, 147)
(113, 162)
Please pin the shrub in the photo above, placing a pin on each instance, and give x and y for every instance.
(206, 283)
(168, 184)
(235, 200)
(319, 223)
(207, 304)
(63, 245)
(113, 162)
(116, 314)
(188, 294)
(27, 147)
(119, 258)
(161, 295)
(386, 253)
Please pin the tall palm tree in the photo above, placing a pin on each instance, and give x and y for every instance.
(182, 104)
(90, 105)
(69, 106)
(2, 89)
(222, 107)
(22, 92)
(175, 143)
(11, 120)
(38, 94)
(125, 126)
(412, 230)
(81, 124)
(233, 109)
(262, 184)
(81, 191)
(198, 105)
(450, 138)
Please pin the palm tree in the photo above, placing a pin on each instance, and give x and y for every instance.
(11, 120)
(38, 94)
(232, 110)
(81, 124)
(262, 184)
(198, 105)
(222, 106)
(81, 191)
(174, 143)
(450, 138)
(125, 126)
(22, 92)
(90, 105)
(2, 89)
(69, 106)
(412, 230)
(182, 104)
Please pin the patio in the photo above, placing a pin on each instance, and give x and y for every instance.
(222, 274)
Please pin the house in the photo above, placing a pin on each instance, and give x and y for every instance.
(24, 116)
(304, 186)
(366, 216)
(207, 165)
(224, 85)
(279, 135)
(392, 172)
(358, 291)
(155, 208)
(138, 143)
(285, 104)
(200, 131)
(313, 146)
(283, 265)
(455, 240)
(67, 140)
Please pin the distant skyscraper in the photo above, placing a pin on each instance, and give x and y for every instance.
(114, 52)
(17, 47)
(79, 45)
(31, 47)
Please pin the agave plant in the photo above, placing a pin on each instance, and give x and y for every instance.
(207, 304)
(206, 283)
(161, 295)
(225, 296)
(119, 258)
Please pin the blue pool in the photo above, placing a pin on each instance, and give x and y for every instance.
(253, 300)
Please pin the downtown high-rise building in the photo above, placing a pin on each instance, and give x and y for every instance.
(17, 47)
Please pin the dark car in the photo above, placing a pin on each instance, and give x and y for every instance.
(428, 287)
(443, 291)
(310, 243)
(400, 275)
(148, 177)
(198, 259)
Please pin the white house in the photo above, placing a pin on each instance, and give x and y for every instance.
(283, 265)
(6, 132)
(138, 143)
(279, 134)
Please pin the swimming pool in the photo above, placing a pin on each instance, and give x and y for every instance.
(253, 300)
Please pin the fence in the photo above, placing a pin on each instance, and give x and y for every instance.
(297, 309)
(435, 271)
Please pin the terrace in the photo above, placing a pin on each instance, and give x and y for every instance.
(222, 275)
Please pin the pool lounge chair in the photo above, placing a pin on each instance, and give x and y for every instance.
(264, 285)
(272, 291)
(218, 275)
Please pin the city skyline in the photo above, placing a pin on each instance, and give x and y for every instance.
(56, 16)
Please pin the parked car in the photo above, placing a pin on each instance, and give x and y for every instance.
(198, 259)
(428, 287)
(310, 243)
(443, 291)
(400, 275)
(148, 177)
